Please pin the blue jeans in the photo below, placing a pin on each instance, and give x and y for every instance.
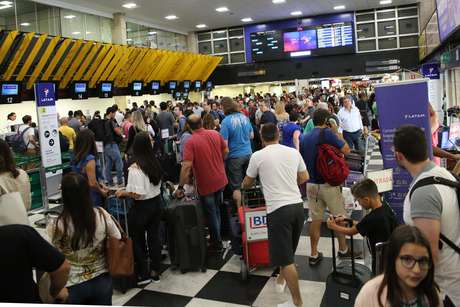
(211, 207)
(354, 139)
(96, 291)
(112, 155)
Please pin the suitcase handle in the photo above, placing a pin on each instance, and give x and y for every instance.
(334, 260)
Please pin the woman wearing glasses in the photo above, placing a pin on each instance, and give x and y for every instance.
(408, 278)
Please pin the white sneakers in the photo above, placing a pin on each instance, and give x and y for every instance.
(280, 287)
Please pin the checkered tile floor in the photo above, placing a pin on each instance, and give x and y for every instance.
(374, 159)
(221, 285)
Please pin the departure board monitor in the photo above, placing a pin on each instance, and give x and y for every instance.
(10, 92)
(79, 90)
(316, 36)
(105, 89)
(137, 88)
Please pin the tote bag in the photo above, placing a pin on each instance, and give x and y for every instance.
(12, 210)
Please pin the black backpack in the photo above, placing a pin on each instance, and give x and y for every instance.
(98, 128)
(64, 142)
(16, 141)
(446, 182)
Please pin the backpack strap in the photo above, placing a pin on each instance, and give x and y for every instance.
(442, 181)
(23, 133)
(322, 138)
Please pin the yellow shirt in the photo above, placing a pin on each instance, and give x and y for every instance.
(70, 134)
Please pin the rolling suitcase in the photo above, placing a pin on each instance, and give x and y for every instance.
(186, 235)
(119, 208)
(345, 281)
(355, 161)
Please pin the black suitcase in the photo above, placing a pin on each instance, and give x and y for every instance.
(119, 209)
(345, 281)
(186, 236)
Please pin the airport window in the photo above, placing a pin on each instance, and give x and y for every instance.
(367, 45)
(228, 43)
(408, 41)
(365, 30)
(144, 36)
(85, 26)
(236, 44)
(408, 26)
(237, 57)
(388, 43)
(385, 29)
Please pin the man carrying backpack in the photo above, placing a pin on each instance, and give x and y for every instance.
(432, 206)
(113, 137)
(322, 195)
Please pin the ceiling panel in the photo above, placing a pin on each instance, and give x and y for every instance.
(193, 12)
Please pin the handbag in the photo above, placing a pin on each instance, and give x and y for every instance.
(119, 252)
(12, 209)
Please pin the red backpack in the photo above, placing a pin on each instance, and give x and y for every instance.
(330, 163)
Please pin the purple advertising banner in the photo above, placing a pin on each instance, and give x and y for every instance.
(448, 17)
(44, 94)
(401, 103)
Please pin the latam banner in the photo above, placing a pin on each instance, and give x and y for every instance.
(401, 103)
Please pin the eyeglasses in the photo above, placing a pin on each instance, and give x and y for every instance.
(408, 262)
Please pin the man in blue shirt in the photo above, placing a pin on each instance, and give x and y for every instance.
(237, 132)
(320, 194)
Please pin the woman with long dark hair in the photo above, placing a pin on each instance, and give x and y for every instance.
(13, 179)
(79, 233)
(144, 181)
(408, 278)
(86, 164)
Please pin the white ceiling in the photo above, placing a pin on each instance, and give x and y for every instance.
(193, 12)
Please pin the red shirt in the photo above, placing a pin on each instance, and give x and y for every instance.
(245, 112)
(204, 149)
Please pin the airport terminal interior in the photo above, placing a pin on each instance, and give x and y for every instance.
(225, 153)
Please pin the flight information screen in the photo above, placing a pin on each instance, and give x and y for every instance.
(324, 39)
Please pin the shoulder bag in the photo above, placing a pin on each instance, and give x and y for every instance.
(12, 209)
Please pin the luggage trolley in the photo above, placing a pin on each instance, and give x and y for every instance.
(253, 219)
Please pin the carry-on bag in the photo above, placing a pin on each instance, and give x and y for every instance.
(345, 280)
(186, 235)
(119, 210)
(355, 161)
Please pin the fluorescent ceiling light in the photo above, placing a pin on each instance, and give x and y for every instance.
(129, 5)
(171, 17)
(76, 33)
(69, 16)
(87, 32)
(5, 6)
(278, 1)
(25, 24)
(296, 13)
(201, 26)
(129, 39)
(152, 33)
(339, 7)
(247, 19)
(6, 3)
(222, 9)
(383, 2)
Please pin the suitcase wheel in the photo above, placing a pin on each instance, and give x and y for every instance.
(244, 271)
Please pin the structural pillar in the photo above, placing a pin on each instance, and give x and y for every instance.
(119, 36)
(192, 42)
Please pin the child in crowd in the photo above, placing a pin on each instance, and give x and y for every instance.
(377, 226)
(408, 278)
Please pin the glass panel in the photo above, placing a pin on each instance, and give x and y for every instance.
(408, 41)
(386, 15)
(166, 40)
(224, 60)
(7, 18)
(93, 28)
(407, 12)
(181, 42)
(153, 38)
(235, 32)
(219, 34)
(388, 43)
(366, 17)
(27, 20)
(365, 30)
(204, 48)
(48, 19)
(407, 26)
(237, 57)
(204, 36)
(367, 45)
(387, 28)
(106, 30)
(72, 23)
(220, 46)
(236, 44)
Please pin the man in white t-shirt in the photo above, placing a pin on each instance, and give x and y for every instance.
(29, 135)
(280, 169)
(433, 208)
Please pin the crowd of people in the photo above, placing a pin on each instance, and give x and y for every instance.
(223, 146)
